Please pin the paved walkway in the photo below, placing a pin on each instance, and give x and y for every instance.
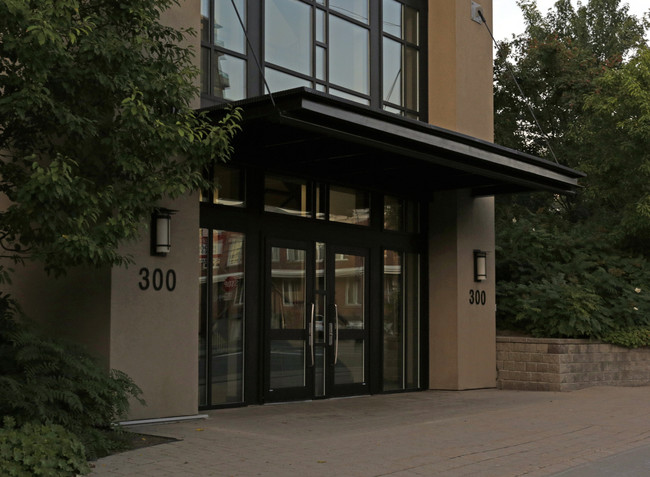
(473, 433)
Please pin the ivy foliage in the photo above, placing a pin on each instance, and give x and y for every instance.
(96, 126)
(48, 381)
(40, 449)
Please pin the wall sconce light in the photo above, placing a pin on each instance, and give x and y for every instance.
(480, 266)
(161, 220)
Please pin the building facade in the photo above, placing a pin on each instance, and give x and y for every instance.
(348, 246)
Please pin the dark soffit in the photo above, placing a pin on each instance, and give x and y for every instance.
(306, 132)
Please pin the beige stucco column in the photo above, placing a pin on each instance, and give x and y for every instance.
(462, 334)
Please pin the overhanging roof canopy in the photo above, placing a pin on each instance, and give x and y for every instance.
(309, 133)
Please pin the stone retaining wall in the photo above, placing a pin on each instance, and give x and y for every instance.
(541, 364)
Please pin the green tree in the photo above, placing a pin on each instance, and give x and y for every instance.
(556, 61)
(572, 266)
(96, 126)
(614, 153)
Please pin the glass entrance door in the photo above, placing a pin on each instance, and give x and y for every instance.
(316, 321)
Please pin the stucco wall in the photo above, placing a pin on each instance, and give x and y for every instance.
(460, 68)
(461, 334)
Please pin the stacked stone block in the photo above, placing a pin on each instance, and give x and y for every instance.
(542, 364)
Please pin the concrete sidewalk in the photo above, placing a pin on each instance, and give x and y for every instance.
(473, 433)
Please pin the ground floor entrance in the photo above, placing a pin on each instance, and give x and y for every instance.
(316, 315)
(298, 306)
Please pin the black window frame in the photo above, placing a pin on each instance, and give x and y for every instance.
(254, 56)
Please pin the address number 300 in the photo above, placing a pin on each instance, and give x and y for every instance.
(477, 297)
(157, 279)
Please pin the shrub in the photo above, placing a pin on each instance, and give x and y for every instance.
(40, 449)
(47, 380)
(563, 280)
(638, 337)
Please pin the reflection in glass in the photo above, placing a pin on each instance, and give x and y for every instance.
(287, 364)
(410, 85)
(350, 291)
(400, 215)
(350, 206)
(401, 320)
(288, 275)
(229, 76)
(393, 213)
(228, 187)
(393, 323)
(320, 25)
(288, 35)
(205, 21)
(349, 367)
(286, 195)
(279, 81)
(228, 32)
(356, 9)
(392, 73)
(392, 17)
(349, 55)
(221, 339)
(349, 96)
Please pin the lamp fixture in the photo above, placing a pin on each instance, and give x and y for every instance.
(480, 266)
(161, 220)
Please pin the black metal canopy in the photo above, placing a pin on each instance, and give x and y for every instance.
(304, 132)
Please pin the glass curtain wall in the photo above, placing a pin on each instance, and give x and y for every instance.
(361, 50)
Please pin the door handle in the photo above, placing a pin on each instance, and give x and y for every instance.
(311, 334)
(336, 325)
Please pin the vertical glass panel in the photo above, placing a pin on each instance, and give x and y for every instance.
(320, 25)
(287, 364)
(411, 88)
(392, 71)
(205, 21)
(349, 367)
(227, 317)
(349, 206)
(322, 88)
(288, 276)
(356, 9)
(228, 186)
(320, 202)
(279, 81)
(393, 213)
(320, 63)
(204, 243)
(349, 55)
(228, 76)
(205, 70)
(287, 195)
(393, 321)
(410, 32)
(228, 32)
(412, 321)
(392, 17)
(411, 217)
(288, 36)
(350, 292)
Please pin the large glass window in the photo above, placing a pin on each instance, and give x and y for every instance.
(401, 57)
(333, 46)
(221, 320)
(401, 320)
(223, 49)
